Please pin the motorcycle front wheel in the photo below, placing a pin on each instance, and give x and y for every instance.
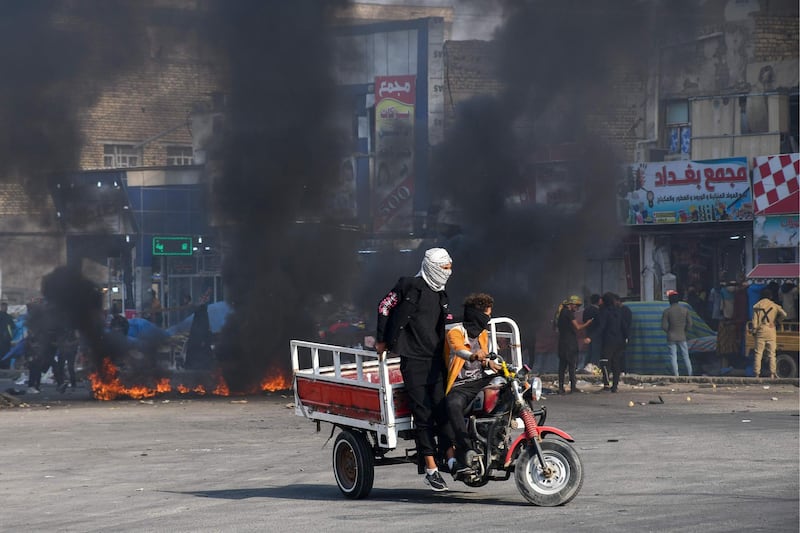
(554, 484)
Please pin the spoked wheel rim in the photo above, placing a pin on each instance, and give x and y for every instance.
(551, 478)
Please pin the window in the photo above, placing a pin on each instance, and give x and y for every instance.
(120, 156)
(179, 155)
(679, 130)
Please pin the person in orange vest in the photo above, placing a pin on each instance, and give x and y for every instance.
(469, 369)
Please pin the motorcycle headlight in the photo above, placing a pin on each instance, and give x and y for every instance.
(536, 388)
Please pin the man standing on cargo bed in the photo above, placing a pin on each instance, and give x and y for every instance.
(411, 320)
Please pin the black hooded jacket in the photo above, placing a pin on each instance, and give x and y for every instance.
(411, 319)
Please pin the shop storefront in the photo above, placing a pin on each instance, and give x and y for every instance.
(694, 223)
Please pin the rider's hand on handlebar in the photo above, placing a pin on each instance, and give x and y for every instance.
(480, 355)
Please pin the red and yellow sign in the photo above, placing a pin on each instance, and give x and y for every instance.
(393, 184)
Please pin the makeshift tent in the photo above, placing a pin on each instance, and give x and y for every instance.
(139, 328)
(217, 314)
(647, 351)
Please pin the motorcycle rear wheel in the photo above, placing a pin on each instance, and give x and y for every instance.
(353, 464)
(557, 487)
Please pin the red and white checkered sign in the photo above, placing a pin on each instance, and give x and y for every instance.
(775, 182)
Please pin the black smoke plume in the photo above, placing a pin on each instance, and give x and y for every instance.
(556, 62)
(280, 156)
(57, 58)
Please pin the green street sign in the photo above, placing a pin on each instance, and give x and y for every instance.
(172, 246)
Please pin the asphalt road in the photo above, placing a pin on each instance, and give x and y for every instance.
(708, 459)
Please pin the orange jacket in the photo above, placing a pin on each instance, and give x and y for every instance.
(458, 343)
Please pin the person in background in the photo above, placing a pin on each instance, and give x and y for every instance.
(118, 324)
(411, 320)
(765, 314)
(676, 320)
(568, 328)
(614, 332)
(40, 344)
(627, 323)
(65, 358)
(7, 329)
(592, 313)
(788, 297)
(715, 305)
(156, 310)
(467, 358)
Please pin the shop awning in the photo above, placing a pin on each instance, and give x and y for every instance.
(775, 271)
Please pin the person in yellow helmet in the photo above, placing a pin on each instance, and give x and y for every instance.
(568, 328)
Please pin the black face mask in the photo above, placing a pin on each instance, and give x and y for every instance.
(475, 321)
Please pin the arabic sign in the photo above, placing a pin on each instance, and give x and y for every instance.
(678, 192)
(393, 185)
(776, 231)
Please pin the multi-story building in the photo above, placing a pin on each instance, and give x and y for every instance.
(729, 91)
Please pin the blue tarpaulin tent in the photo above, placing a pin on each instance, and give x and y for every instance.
(647, 351)
(217, 314)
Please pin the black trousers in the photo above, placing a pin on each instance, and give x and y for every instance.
(615, 359)
(424, 384)
(68, 360)
(565, 365)
(36, 367)
(458, 399)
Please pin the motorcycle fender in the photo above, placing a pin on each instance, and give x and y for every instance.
(543, 432)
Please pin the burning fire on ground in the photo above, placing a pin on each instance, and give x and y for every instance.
(107, 385)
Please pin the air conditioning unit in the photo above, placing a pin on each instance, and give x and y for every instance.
(676, 157)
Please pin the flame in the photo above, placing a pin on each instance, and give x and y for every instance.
(107, 385)
(277, 381)
(222, 388)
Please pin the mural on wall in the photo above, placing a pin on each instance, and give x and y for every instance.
(678, 192)
(393, 185)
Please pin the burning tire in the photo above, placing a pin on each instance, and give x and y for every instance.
(555, 484)
(353, 464)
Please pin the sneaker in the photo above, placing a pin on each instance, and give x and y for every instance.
(33, 390)
(435, 481)
(461, 471)
(613, 389)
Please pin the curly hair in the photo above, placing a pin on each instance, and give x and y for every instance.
(480, 301)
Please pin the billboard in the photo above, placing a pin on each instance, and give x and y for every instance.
(779, 231)
(680, 192)
(393, 184)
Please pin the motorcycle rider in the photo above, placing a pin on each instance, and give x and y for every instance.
(466, 354)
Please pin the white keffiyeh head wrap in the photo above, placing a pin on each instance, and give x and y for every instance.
(432, 272)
